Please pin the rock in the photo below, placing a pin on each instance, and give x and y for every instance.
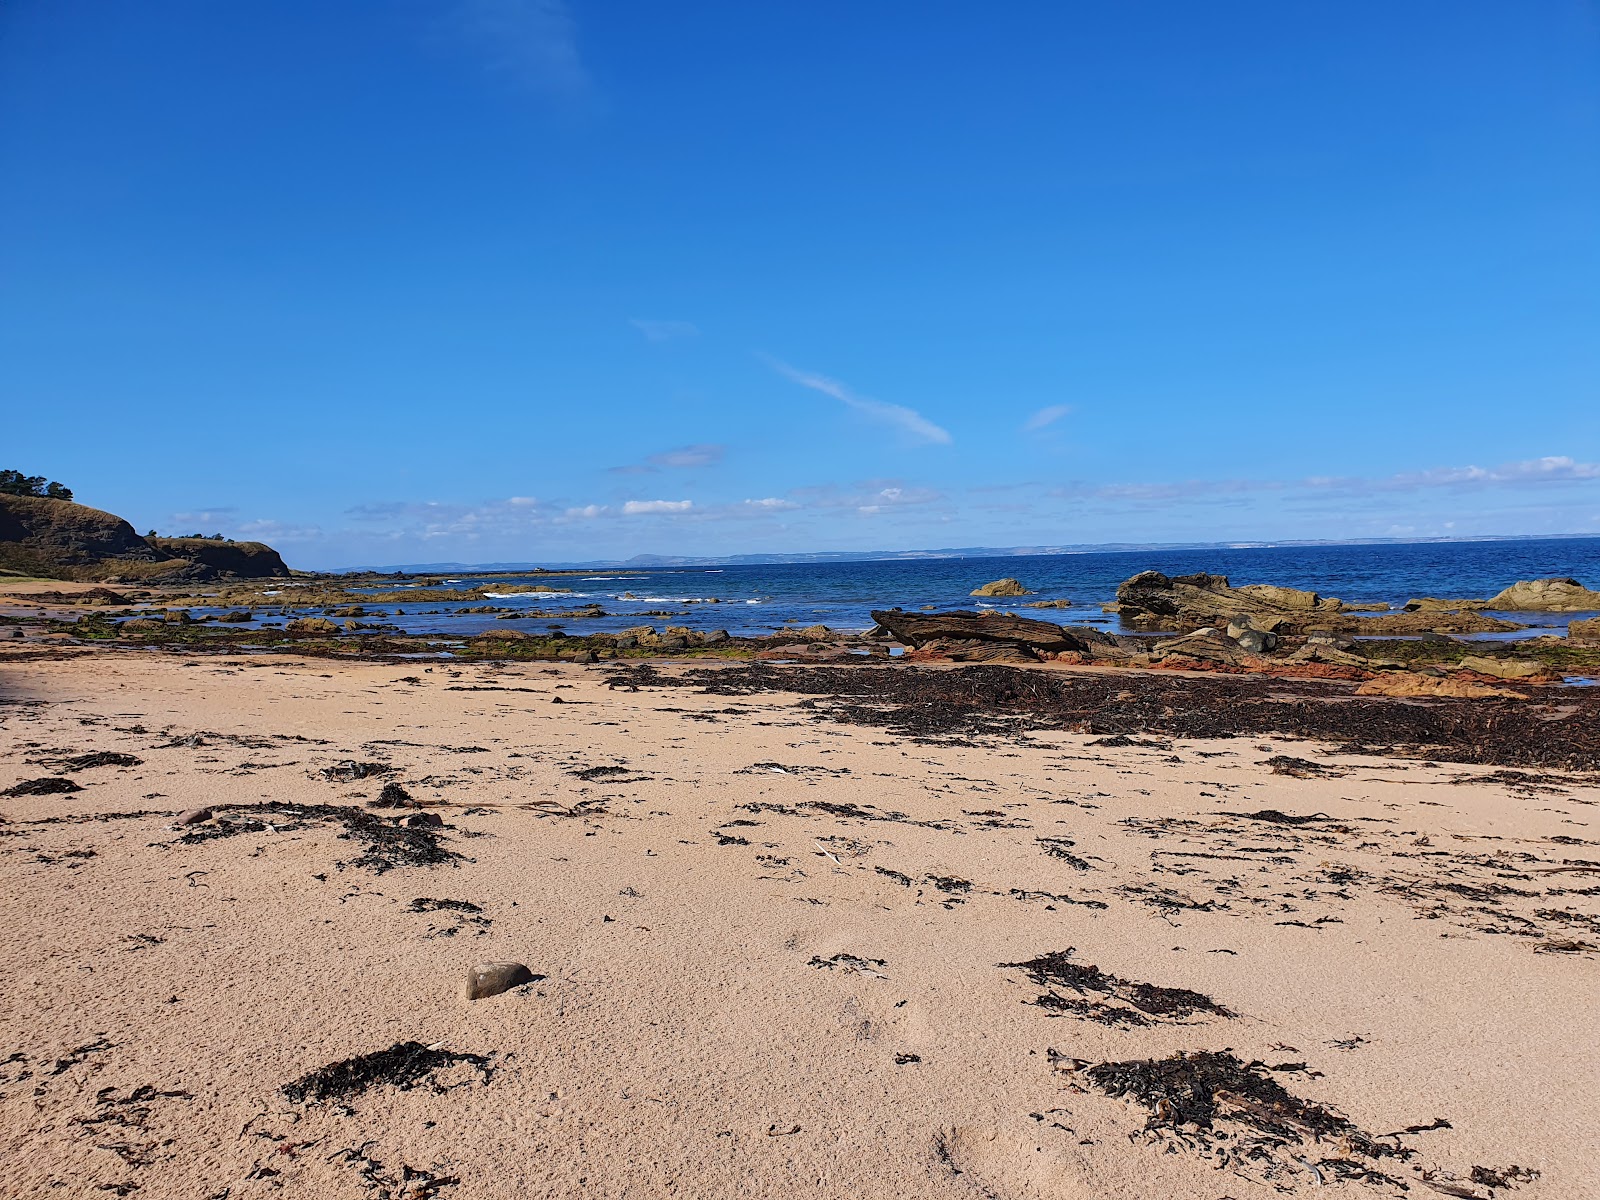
(1584, 633)
(176, 616)
(968, 650)
(348, 610)
(234, 618)
(137, 626)
(194, 816)
(1412, 624)
(1192, 601)
(1333, 655)
(1253, 641)
(311, 627)
(1209, 644)
(1294, 599)
(815, 633)
(502, 635)
(491, 978)
(1434, 604)
(1001, 587)
(917, 629)
(1505, 668)
(1546, 595)
(1048, 604)
(421, 820)
(1411, 684)
(716, 637)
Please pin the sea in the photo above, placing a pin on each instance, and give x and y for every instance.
(752, 600)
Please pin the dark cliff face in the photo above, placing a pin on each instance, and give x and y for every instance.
(61, 540)
(248, 560)
(45, 537)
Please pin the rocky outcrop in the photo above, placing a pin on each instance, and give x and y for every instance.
(1023, 634)
(1001, 587)
(1546, 595)
(225, 560)
(1584, 633)
(1187, 602)
(1048, 604)
(58, 539)
(62, 540)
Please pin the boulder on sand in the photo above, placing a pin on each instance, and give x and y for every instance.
(1546, 595)
(1001, 587)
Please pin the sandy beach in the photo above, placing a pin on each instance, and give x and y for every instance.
(768, 949)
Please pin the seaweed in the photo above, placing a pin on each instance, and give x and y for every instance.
(991, 700)
(385, 845)
(402, 1066)
(1060, 847)
(99, 758)
(51, 785)
(1057, 969)
(1192, 1096)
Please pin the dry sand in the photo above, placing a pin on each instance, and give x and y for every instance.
(742, 1000)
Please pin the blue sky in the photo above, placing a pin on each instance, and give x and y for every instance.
(481, 280)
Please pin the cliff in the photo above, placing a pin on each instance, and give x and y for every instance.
(58, 539)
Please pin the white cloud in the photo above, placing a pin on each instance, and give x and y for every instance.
(635, 508)
(587, 513)
(908, 421)
(1046, 417)
(772, 504)
(664, 331)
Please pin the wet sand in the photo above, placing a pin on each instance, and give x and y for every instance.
(769, 946)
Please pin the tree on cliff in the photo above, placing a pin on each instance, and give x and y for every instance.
(15, 483)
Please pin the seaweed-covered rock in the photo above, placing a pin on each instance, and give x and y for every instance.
(311, 627)
(919, 629)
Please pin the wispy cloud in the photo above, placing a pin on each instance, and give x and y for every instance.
(638, 508)
(664, 331)
(683, 458)
(533, 41)
(1046, 417)
(771, 504)
(908, 421)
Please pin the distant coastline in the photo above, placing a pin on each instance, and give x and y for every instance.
(844, 556)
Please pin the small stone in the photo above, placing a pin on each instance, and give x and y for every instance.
(422, 820)
(491, 978)
(194, 816)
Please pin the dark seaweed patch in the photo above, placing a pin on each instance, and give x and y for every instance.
(51, 785)
(99, 758)
(384, 845)
(1058, 970)
(1199, 1092)
(403, 1066)
(976, 700)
